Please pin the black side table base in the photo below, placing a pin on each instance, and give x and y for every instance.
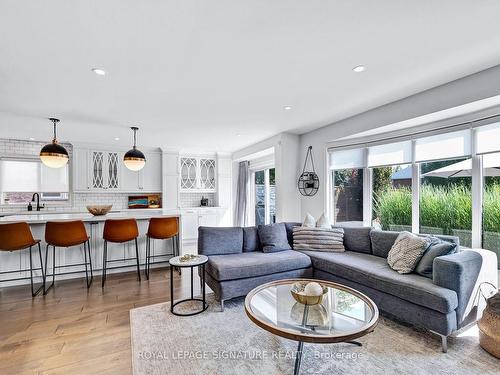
(172, 310)
(202, 300)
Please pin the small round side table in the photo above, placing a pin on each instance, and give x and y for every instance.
(200, 261)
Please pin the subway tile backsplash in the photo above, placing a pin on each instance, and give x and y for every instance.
(188, 200)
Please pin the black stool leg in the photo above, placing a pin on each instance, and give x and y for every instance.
(33, 292)
(41, 264)
(148, 250)
(104, 260)
(46, 269)
(86, 264)
(90, 262)
(137, 257)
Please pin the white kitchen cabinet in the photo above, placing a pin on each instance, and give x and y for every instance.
(197, 174)
(103, 170)
(80, 169)
(150, 175)
(189, 225)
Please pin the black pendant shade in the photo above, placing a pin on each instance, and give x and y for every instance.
(134, 159)
(53, 155)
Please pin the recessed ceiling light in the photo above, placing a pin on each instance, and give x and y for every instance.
(99, 72)
(117, 139)
(359, 68)
(238, 135)
(287, 108)
(32, 139)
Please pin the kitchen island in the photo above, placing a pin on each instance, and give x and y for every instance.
(18, 261)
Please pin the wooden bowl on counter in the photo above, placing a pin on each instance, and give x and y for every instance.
(99, 210)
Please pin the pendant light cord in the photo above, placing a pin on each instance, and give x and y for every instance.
(54, 121)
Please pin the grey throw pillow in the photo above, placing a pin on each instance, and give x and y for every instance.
(273, 238)
(436, 248)
(406, 252)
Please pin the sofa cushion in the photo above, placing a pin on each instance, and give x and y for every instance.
(273, 237)
(382, 241)
(251, 241)
(218, 240)
(373, 271)
(289, 231)
(357, 239)
(256, 263)
(436, 248)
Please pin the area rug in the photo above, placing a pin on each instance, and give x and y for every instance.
(228, 342)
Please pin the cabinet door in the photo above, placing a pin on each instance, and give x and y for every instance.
(206, 174)
(208, 220)
(150, 175)
(129, 180)
(188, 169)
(80, 169)
(112, 171)
(97, 164)
(189, 225)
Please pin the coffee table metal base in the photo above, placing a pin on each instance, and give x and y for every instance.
(300, 348)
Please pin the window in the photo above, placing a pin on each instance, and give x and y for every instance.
(347, 182)
(392, 197)
(265, 196)
(429, 182)
(348, 196)
(20, 178)
(446, 198)
(491, 204)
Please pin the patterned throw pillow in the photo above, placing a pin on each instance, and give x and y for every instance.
(319, 239)
(406, 252)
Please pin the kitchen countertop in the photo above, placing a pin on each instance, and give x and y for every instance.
(42, 218)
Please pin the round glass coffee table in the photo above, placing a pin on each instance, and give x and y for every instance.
(343, 316)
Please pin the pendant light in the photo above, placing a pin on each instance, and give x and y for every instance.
(134, 159)
(53, 155)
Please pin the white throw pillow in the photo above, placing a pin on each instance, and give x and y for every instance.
(323, 222)
(309, 221)
(406, 252)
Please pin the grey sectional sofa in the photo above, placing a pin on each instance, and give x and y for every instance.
(441, 304)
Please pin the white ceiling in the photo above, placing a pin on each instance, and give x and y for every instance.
(196, 74)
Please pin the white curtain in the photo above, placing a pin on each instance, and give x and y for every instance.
(242, 195)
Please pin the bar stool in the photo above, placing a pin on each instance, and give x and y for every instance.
(18, 236)
(67, 234)
(119, 231)
(161, 228)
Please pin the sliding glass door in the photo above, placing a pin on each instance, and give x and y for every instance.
(264, 194)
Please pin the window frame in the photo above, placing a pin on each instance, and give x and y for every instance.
(477, 183)
(59, 202)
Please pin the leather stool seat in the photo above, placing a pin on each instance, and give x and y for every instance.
(161, 228)
(18, 236)
(67, 234)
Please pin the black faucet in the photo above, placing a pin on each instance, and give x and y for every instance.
(38, 207)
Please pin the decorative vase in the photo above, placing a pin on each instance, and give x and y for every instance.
(489, 326)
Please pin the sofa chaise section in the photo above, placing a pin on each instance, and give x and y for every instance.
(236, 263)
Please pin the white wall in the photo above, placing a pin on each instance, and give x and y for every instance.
(286, 160)
(471, 88)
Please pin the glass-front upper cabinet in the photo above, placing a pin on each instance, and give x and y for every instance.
(105, 170)
(197, 174)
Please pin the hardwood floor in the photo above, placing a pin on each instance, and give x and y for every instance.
(72, 330)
